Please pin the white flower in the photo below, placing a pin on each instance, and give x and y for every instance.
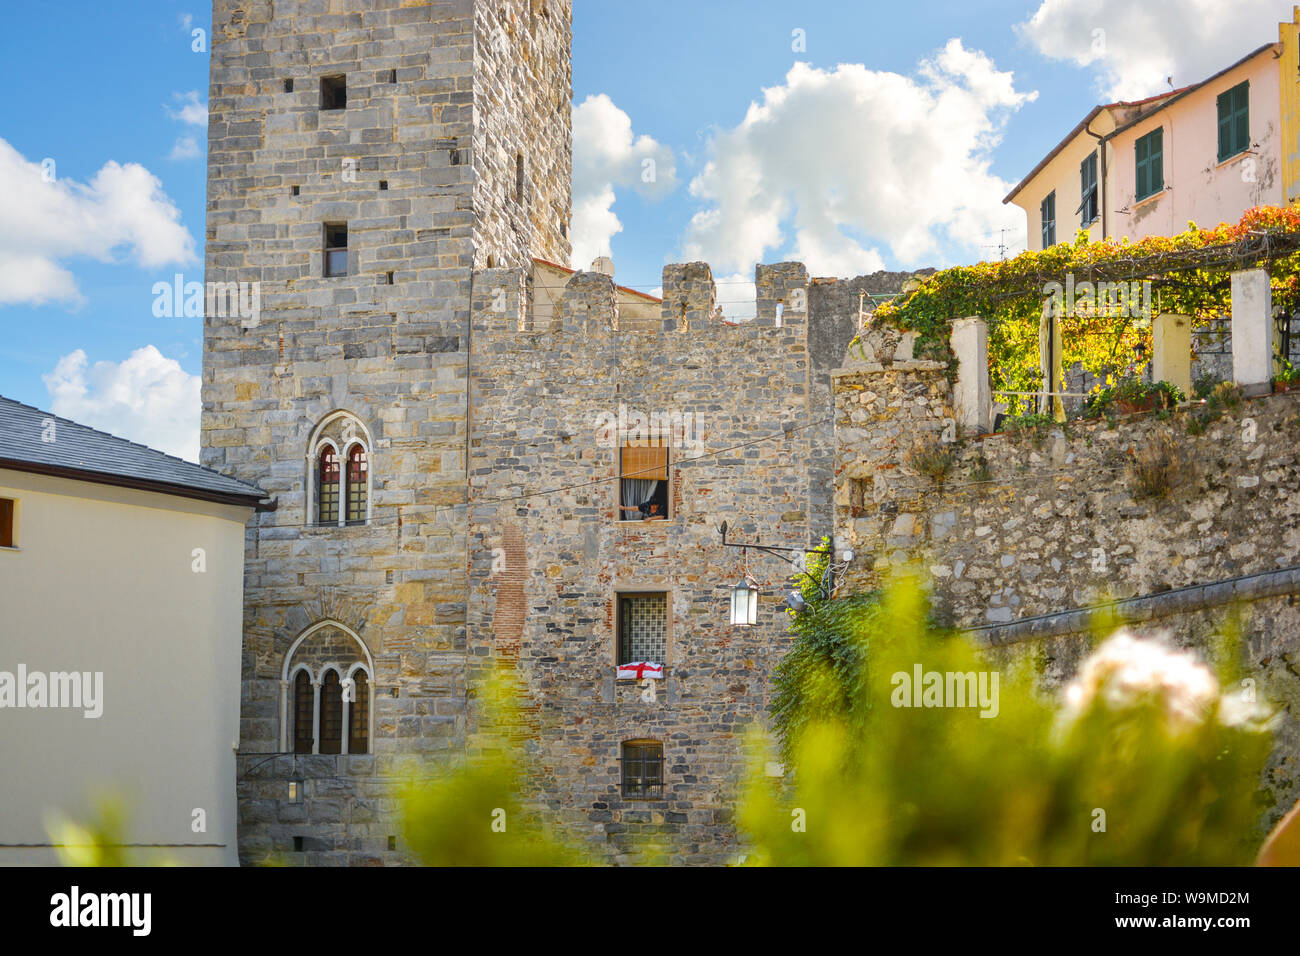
(1125, 670)
(1240, 709)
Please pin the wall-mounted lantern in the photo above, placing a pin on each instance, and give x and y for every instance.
(744, 595)
(744, 603)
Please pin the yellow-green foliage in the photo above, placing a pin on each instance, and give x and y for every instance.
(102, 840)
(472, 815)
(945, 786)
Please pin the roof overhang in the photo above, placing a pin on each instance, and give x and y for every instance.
(259, 502)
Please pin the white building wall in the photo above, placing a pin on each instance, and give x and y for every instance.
(103, 580)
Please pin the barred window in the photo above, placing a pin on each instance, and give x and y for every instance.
(642, 628)
(643, 770)
(358, 472)
(327, 488)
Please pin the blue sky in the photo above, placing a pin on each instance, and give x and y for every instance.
(887, 139)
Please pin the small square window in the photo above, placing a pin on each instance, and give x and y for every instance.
(297, 844)
(336, 249)
(293, 190)
(642, 623)
(392, 844)
(388, 278)
(455, 156)
(392, 76)
(333, 92)
(8, 523)
(643, 770)
(383, 184)
(643, 488)
(288, 86)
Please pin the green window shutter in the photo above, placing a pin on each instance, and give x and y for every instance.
(1234, 121)
(1225, 126)
(1140, 177)
(1150, 174)
(1088, 189)
(1242, 112)
(1157, 160)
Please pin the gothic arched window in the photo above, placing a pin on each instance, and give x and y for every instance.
(358, 484)
(338, 471)
(327, 696)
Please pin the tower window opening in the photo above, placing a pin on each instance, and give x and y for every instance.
(336, 249)
(333, 92)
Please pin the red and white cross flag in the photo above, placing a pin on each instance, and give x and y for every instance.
(641, 670)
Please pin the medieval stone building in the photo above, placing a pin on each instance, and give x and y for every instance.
(476, 455)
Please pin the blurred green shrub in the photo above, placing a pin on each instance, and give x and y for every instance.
(1146, 763)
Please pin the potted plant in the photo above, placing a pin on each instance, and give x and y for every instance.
(1134, 395)
(1288, 379)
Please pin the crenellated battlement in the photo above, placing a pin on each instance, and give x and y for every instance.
(548, 298)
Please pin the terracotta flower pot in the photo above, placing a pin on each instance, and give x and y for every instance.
(1141, 405)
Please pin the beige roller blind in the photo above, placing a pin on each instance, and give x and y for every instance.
(647, 462)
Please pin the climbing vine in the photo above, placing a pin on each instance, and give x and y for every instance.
(1189, 273)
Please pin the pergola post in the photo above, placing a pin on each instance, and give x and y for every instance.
(972, 399)
(1171, 359)
(1252, 331)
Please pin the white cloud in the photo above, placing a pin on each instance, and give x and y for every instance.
(148, 399)
(186, 147)
(190, 110)
(832, 165)
(44, 219)
(738, 296)
(1135, 46)
(607, 156)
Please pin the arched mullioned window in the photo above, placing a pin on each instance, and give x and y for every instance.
(327, 700)
(339, 471)
(358, 484)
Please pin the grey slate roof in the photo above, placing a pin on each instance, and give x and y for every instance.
(91, 455)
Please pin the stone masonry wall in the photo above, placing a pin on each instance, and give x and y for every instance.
(406, 167)
(523, 98)
(1027, 527)
(544, 497)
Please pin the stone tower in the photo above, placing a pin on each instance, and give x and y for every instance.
(365, 158)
